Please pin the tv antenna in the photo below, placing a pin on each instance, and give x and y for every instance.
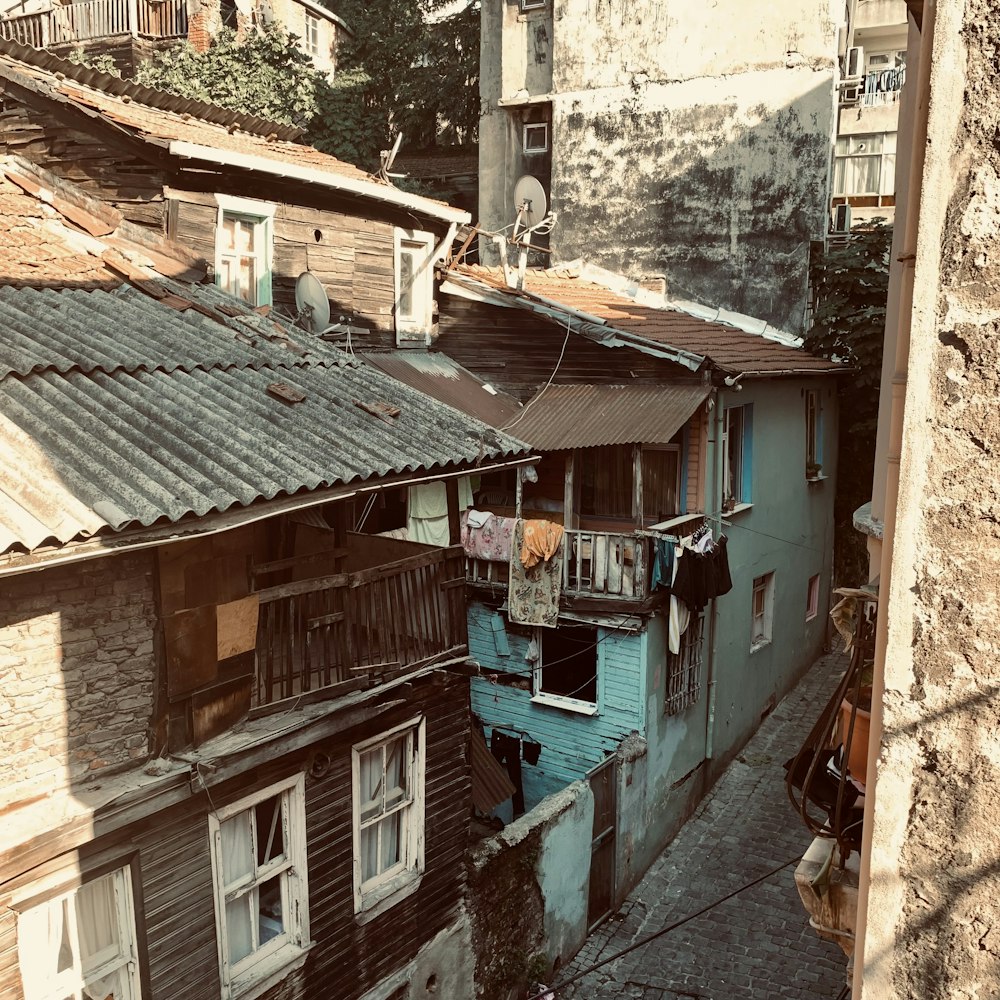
(387, 158)
(311, 303)
(532, 217)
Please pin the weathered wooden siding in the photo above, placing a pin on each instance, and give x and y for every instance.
(572, 743)
(695, 454)
(352, 255)
(517, 351)
(176, 895)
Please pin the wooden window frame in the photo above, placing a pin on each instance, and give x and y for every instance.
(259, 214)
(387, 887)
(762, 611)
(311, 38)
(64, 886)
(264, 964)
(420, 318)
(542, 697)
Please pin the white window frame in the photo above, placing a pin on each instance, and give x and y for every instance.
(761, 611)
(543, 697)
(532, 4)
(259, 214)
(533, 127)
(420, 318)
(34, 919)
(399, 880)
(268, 963)
(311, 38)
(885, 182)
(812, 598)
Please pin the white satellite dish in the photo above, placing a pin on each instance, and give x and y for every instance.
(311, 303)
(530, 202)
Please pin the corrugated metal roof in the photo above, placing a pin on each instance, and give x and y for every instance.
(447, 381)
(727, 346)
(491, 784)
(126, 329)
(84, 452)
(588, 416)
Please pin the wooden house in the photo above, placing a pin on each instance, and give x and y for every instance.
(235, 724)
(258, 207)
(652, 420)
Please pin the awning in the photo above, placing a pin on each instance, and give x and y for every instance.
(588, 416)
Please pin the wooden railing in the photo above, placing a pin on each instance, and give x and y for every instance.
(316, 633)
(95, 19)
(595, 564)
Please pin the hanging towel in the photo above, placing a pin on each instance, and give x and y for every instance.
(663, 564)
(490, 540)
(678, 617)
(541, 541)
(427, 511)
(533, 593)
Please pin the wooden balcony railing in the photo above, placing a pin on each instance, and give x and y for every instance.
(96, 19)
(595, 564)
(316, 633)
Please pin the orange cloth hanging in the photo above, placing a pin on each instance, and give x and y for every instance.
(541, 542)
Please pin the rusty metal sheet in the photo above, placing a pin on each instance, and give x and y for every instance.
(191, 642)
(491, 784)
(588, 416)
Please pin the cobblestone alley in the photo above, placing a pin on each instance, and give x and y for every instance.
(757, 946)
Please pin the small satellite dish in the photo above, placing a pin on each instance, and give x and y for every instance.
(311, 303)
(529, 201)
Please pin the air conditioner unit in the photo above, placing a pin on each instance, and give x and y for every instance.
(850, 95)
(854, 67)
(842, 219)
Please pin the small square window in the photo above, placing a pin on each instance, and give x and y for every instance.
(81, 943)
(762, 611)
(532, 4)
(812, 598)
(536, 138)
(388, 793)
(565, 673)
(261, 896)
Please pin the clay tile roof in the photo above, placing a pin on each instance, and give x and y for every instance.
(727, 346)
(447, 162)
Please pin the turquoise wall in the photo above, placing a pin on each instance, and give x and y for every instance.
(572, 743)
(788, 530)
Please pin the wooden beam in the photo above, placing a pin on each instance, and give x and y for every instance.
(454, 522)
(568, 489)
(637, 485)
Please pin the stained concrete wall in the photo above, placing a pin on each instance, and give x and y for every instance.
(528, 890)
(684, 144)
(933, 915)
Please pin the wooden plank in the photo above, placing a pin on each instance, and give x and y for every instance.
(294, 562)
(322, 620)
(191, 642)
(269, 594)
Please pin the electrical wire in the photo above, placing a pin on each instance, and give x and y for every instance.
(531, 402)
(643, 941)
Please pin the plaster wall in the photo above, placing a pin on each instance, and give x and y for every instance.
(787, 531)
(933, 915)
(293, 16)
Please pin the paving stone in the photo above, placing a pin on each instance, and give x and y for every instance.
(757, 946)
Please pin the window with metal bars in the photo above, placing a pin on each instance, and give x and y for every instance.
(684, 668)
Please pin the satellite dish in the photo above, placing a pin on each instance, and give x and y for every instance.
(530, 202)
(311, 303)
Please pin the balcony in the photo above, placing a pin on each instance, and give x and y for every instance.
(373, 623)
(92, 20)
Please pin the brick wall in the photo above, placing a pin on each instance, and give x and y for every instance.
(76, 672)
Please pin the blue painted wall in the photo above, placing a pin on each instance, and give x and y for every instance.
(572, 743)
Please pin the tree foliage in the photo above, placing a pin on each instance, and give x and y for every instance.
(850, 286)
(264, 74)
(408, 67)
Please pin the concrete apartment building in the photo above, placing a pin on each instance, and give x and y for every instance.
(684, 145)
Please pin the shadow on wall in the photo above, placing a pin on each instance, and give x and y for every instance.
(719, 195)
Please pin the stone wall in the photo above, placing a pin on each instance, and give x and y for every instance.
(76, 672)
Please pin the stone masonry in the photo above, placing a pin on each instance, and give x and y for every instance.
(757, 946)
(76, 672)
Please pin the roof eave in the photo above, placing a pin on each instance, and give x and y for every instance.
(309, 175)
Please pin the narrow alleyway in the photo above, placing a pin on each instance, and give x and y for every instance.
(757, 946)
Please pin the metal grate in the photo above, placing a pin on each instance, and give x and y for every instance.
(684, 668)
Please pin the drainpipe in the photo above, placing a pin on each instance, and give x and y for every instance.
(713, 503)
(905, 261)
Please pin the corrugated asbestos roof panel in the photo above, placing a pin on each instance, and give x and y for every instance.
(588, 416)
(110, 451)
(448, 382)
(730, 348)
(127, 329)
